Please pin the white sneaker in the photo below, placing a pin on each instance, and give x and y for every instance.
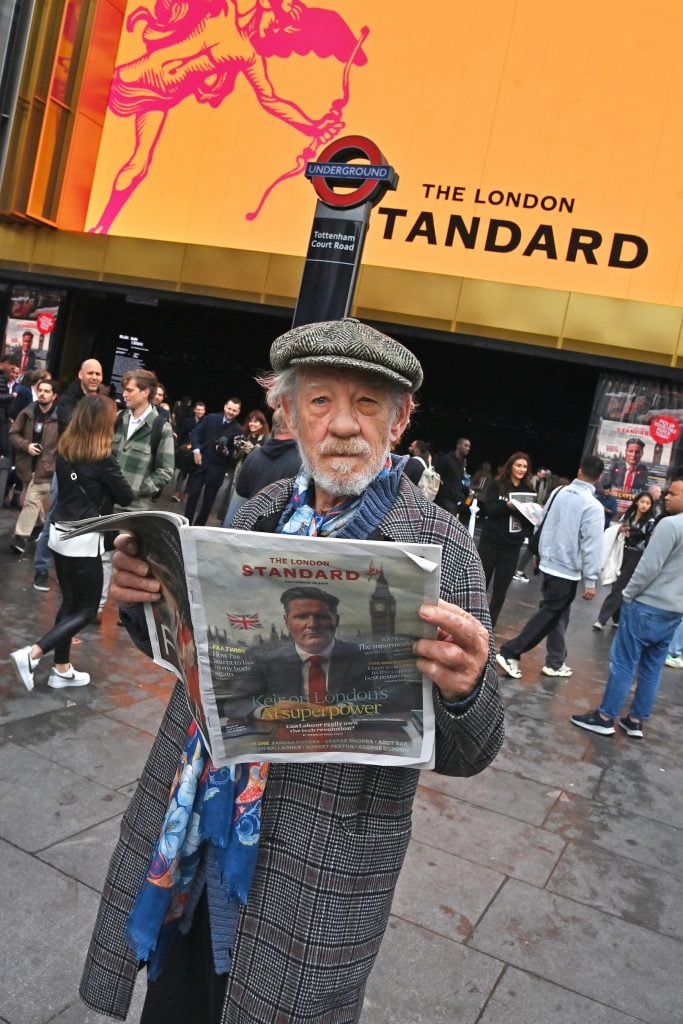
(24, 665)
(510, 666)
(59, 680)
(563, 670)
(520, 577)
(598, 625)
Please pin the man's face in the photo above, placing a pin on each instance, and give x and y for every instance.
(311, 624)
(13, 373)
(634, 454)
(199, 410)
(136, 398)
(159, 396)
(344, 426)
(26, 340)
(90, 376)
(673, 501)
(45, 393)
(231, 409)
(463, 448)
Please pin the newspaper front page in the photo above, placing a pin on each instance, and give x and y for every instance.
(292, 648)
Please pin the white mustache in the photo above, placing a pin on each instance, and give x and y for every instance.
(353, 446)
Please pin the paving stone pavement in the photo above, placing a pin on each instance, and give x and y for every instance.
(548, 889)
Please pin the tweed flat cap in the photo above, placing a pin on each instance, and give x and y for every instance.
(347, 343)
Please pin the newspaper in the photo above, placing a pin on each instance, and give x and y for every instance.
(248, 658)
(526, 503)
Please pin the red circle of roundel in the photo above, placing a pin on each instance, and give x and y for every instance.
(45, 323)
(338, 151)
(665, 429)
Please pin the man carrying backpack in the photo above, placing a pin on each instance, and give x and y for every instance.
(420, 471)
(143, 442)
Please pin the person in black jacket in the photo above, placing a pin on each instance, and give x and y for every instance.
(90, 482)
(213, 451)
(504, 528)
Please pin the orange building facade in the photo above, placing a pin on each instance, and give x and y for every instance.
(158, 146)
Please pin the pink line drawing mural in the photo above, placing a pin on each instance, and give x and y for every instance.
(199, 48)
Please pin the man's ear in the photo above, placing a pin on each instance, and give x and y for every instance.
(286, 407)
(402, 419)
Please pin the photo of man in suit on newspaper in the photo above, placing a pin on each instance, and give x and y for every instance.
(314, 674)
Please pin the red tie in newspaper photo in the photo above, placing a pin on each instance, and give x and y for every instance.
(317, 686)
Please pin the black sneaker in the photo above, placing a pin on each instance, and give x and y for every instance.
(594, 722)
(41, 581)
(631, 727)
(18, 544)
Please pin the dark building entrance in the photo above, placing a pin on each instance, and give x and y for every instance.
(502, 399)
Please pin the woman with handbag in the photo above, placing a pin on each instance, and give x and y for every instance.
(504, 527)
(89, 482)
(636, 525)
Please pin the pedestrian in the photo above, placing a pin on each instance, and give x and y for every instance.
(652, 611)
(143, 440)
(504, 527)
(89, 482)
(570, 545)
(608, 502)
(34, 435)
(87, 382)
(455, 480)
(254, 433)
(674, 656)
(636, 526)
(213, 452)
(332, 835)
(187, 417)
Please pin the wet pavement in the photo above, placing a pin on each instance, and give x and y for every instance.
(547, 889)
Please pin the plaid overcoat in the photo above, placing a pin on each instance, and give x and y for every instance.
(333, 836)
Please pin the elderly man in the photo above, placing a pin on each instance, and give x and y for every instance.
(316, 892)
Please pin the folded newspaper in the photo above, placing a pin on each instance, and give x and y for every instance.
(291, 648)
(526, 502)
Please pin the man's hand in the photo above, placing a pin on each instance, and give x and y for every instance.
(34, 449)
(588, 594)
(456, 659)
(197, 456)
(131, 581)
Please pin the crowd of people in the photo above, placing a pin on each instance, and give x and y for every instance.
(323, 461)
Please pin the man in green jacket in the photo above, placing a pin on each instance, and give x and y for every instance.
(143, 443)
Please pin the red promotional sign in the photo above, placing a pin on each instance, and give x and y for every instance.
(665, 429)
(45, 322)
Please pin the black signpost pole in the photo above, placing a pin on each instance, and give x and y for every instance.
(333, 258)
(340, 224)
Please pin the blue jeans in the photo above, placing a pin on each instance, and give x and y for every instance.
(41, 556)
(676, 645)
(639, 647)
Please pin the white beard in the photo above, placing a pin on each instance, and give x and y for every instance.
(338, 476)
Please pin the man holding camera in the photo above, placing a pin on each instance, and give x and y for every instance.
(34, 435)
(213, 451)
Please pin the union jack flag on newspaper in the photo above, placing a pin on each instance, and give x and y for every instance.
(245, 621)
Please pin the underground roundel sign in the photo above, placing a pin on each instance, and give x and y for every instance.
(334, 167)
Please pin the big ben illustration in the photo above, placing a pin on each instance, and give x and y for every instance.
(382, 608)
